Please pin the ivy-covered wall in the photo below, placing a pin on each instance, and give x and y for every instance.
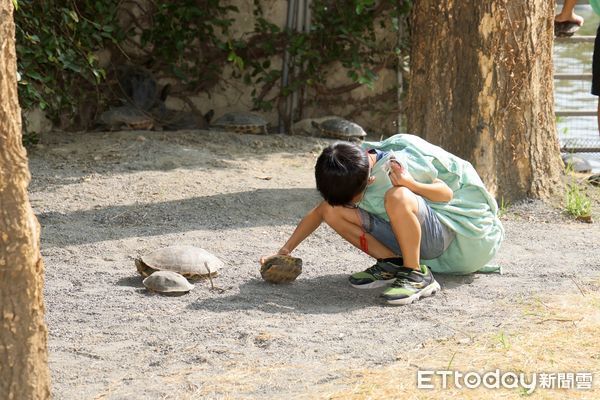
(219, 55)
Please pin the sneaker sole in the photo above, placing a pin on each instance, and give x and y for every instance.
(428, 291)
(374, 285)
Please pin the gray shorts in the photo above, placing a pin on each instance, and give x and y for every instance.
(435, 236)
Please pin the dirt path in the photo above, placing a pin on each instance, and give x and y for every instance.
(104, 198)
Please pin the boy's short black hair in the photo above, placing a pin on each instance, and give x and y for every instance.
(341, 172)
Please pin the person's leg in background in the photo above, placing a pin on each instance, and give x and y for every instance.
(567, 14)
(596, 73)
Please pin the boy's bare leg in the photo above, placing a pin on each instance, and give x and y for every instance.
(402, 206)
(346, 222)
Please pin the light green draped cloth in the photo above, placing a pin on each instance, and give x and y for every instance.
(472, 213)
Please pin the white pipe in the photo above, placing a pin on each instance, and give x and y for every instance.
(286, 58)
(399, 75)
(298, 27)
(306, 29)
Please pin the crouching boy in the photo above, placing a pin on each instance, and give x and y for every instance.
(410, 205)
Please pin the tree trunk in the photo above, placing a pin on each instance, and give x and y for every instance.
(481, 86)
(23, 336)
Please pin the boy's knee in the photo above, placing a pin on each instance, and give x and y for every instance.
(400, 197)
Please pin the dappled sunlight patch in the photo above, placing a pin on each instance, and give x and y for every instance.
(556, 335)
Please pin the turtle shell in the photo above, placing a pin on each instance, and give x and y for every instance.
(281, 269)
(167, 282)
(241, 123)
(189, 261)
(126, 116)
(340, 128)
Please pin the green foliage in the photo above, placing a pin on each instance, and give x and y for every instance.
(55, 44)
(503, 340)
(504, 206)
(577, 204)
(340, 32)
(191, 38)
(192, 41)
(30, 139)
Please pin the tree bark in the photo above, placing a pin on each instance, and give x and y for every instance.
(481, 86)
(23, 336)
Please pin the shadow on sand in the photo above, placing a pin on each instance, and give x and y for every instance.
(326, 294)
(218, 212)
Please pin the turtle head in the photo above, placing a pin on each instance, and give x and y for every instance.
(142, 268)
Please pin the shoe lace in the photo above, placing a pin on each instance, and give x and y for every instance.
(401, 282)
(374, 269)
(404, 280)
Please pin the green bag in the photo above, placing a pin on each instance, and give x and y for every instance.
(472, 213)
(595, 6)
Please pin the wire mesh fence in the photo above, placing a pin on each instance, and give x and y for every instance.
(576, 108)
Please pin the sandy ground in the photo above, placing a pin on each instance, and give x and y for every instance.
(104, 198)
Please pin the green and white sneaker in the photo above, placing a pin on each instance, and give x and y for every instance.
(381, 274)
(411, 285)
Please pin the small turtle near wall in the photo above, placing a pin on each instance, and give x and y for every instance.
(126, 117)
(141, 98)
(241, 122)
(340, 128)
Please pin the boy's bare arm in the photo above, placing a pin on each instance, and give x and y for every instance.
(436, 191)
(311, 221)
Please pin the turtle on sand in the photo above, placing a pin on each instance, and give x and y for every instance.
(189, 261)
(167, 282)
(340, 128)
(141, 101)
(126, 117)
(241, 122)
(280, 268)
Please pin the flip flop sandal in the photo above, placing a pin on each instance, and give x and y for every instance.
(565, 29)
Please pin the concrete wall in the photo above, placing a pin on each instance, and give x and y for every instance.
(374, 109)
(368, 107)
(362, 105)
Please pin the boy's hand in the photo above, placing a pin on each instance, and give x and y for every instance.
(399, 176)
(282, 252)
